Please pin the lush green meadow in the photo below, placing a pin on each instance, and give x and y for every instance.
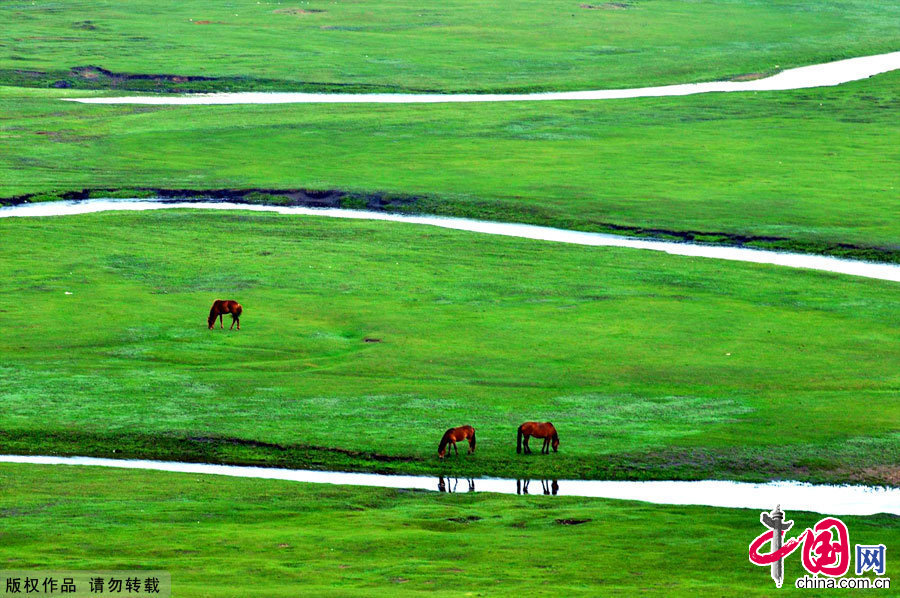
(651, 366)
(363, 341)
(812, 169)
(451, 45)
(233, 537)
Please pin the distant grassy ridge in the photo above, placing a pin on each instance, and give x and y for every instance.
(97, 78)
(407, 45)
(651, 366)
(818, 167)
(808, 170)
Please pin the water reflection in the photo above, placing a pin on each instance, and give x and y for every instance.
(451, 485)
(547, 486)
(797, 496)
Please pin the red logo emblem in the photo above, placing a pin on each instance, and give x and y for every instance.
(826, 546)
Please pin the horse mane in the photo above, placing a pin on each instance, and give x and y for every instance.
(555, 433)
(212, 311)
(445, 440)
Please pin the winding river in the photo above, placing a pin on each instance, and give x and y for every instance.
(792, 496)
(796, 496)
(816, 75)
(879, 271)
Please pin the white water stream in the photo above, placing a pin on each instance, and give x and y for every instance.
(792, 496)
(835, 500)
(508, 229)
(816, 75)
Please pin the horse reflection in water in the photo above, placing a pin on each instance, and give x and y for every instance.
(450, 485)
(548, 486)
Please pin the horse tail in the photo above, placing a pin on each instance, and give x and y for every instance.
(519, 440)
(472, 442)
(238, 310)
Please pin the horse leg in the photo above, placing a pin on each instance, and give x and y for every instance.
(546, 448)
(233, 321)
(456, 450)
(221, 325)
(525, 442)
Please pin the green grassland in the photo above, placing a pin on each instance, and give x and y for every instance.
(233, 537)
(651, 366)
(811, 170)
(452, 45)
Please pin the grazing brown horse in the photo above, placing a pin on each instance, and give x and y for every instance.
(219, 308)
(453, 435)
(538, 430)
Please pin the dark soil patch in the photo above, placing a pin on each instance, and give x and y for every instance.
(97, 77)
(361, 454)
(875, 474)
(311, 198)
(237, 442)
(573, 521)
(297, 11)
(607, 6)
(749, 77)
(96, 72)
(465, 520)
(371, 340)
(213, 440)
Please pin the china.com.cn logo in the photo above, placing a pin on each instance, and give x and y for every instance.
(824, 549)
